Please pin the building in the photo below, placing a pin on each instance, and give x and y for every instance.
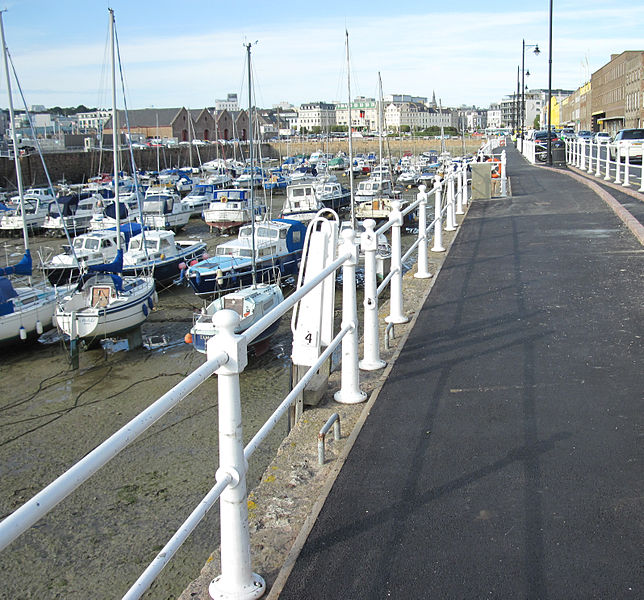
(318, 115)
(93, 122)
(231, 103)
(164, 123)
(364, 114)
(494, 117)
(415, 116)
(575, 110)
(617, 93)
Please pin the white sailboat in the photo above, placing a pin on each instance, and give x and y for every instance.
(250, 302)
(25, 310)
(104, 303)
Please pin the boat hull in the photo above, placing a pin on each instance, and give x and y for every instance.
(240, 274)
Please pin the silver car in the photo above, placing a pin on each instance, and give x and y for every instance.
(628, 141)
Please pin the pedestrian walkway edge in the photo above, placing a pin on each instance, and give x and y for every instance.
(307, 526)
(636, 228)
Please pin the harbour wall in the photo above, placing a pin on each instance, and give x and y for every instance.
(78, 167)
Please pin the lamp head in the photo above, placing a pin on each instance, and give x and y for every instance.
(536, 50)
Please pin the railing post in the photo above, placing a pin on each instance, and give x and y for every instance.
(450, 218)
(459, 192)
(237, 581)
(618, 151)
(349, 392)
(627, 168)
(371, 343)
(598, 165)
(464, 174)
(423, 267)
(396, 314)
(590, 156)
(641, 189)
(607, 177)
(582, 158)
(438, 218)
(504, 175)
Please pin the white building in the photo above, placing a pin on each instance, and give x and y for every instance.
(364, 114)
(230, 103)
(93, 121)
(315, 114)
(494, 117)
(416, 116)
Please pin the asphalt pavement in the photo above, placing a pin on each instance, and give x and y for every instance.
(501, 457)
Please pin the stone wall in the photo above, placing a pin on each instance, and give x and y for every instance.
(76, 167)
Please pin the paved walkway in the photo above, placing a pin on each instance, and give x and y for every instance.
(500, 459)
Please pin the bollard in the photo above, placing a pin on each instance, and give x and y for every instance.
(350, 392)
(237, 581)
(422, 271)
(396, 314)
(438, 219)
(504, 175)
(450, 218)
(371, 344)
(627, 167)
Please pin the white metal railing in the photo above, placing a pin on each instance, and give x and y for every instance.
(227, 357)
(595, 159)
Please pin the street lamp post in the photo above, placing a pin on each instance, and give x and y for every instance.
(537, 52)
(550, 89)
(516, 107)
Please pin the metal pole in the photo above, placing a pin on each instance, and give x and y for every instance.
(350, 392)
(369, 245)
(438, 209)
(550, 89)
(423, 268)
(396, 314)
(237, 581)
(522, 90)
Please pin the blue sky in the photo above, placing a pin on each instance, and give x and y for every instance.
(187, 53)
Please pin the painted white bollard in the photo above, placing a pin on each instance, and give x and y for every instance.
(422, 271)
(396, 314)
(459, 193)
(618, 164)
(450, 217)
(438, 216)
(504, 175)
(349, 392)
(607, 177)
(237, 581)
(598, 165)
(371, 342)
(590, 157)
(627, 167)
(465, 193)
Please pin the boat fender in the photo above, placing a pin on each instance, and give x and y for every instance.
(162, 257)
(145, 310)
(193, 262)
(150, 303)
(187, 338)
(220, 277)
(182, 266)
(205, 256)
(223, 199)
(23, 333)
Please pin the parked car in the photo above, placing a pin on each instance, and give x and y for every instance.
(541, 144)
(601, 137)
(585, 134)
(628, 140)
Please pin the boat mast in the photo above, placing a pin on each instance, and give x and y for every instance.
(14, 137)
(380, 118)
(252, 172)
(353, 208)
(115, 135)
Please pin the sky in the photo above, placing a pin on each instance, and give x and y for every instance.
(191, 52)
